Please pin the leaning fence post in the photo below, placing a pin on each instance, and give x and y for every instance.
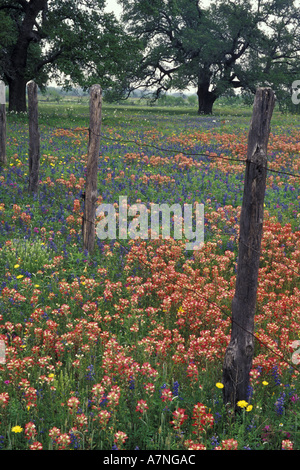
(91, 195)
(3, 159)
(34, 137)
(239, 354)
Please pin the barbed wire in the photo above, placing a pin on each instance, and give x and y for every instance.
(207, 155)
(183, 152)
(169, 150)
(191, 154)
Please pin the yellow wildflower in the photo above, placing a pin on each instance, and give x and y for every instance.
(16, 429)
(219, 385)
(242, 404)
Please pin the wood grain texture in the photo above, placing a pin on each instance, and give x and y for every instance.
(34, 137)
(91, 194)
(239, 354)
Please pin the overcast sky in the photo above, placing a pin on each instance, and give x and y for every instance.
(112, 5)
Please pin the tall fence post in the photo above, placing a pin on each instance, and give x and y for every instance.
(3, 159)
(34, 137)
(239, 354)
(91, 194)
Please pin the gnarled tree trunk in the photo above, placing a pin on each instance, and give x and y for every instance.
(206, 98)
(17, 78)
(17, 94)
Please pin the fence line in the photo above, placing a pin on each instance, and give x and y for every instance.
(192, 290)
(191, 154)
(183, 152)
(89, 220)
(168, 150)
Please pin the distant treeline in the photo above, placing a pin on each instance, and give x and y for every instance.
(54, 94)
(138, 97)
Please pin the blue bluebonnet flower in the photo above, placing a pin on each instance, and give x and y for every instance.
(91, 372)
(176, 389)
(279, 404)
(214, 441)
(131, 384)
(250, 392)
(75, 442)
(217, 417)
(276, 375)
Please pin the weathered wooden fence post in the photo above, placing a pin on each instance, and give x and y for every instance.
(91, 194)
(3, 159)
(34, 137)
(239, 354)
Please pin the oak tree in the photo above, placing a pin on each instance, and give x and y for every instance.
(228, 45)
(69, 41)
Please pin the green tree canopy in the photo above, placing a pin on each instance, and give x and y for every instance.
(69, 41)
(228, 45)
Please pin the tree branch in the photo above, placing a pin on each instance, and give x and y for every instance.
(49, 60)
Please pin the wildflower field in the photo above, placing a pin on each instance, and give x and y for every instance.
(123, 348)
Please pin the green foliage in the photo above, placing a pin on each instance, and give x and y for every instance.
(159, 45)
(71, 42)
(31, 254)
(226, 46)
